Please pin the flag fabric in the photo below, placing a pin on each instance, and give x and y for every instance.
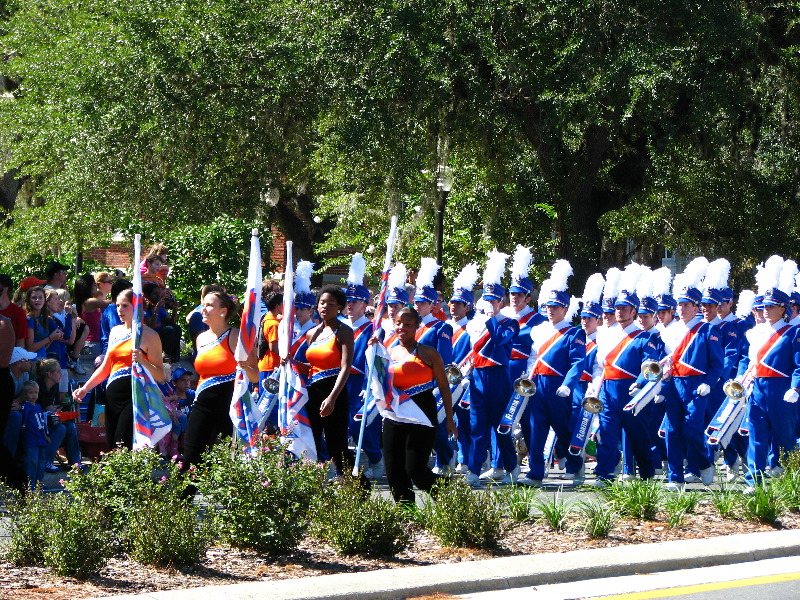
(285, 340)
(391, 402)
(297, 434)
(244, 413)
(151, 420)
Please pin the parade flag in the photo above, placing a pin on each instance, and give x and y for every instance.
(297, 435)
(243, 411)
(285, 339)
(392, 403)
(151, 421)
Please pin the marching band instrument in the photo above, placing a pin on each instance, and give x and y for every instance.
(459, 384)
(524, 388)
(654, 372)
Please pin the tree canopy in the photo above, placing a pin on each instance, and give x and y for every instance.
(570, 125)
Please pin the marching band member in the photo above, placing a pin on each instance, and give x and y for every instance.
(696, 365)
(461, 302)
(519, 294)
(558, 355)
(396, 298)
(621, 350)
(305, 303)
(357, 296)
(438, 334)
(662, 284)
(492, 336)
(794, 304)
(774, 355)
(610, 296)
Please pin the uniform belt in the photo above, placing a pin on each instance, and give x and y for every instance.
(216, 380)
(418, 389)
(324, 375)
(118, 374)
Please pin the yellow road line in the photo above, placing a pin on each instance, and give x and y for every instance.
(706, 587)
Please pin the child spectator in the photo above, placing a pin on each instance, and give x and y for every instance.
(179, 404)
(34, 433)
(156, 317)
(153, 265)
(58, 348)
(42, 329)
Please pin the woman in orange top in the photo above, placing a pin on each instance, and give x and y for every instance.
(330, 355)
(415, 370)
(116, 367)
(216, 365)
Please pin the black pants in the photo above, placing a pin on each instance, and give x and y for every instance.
(119, 413)
(334, 426)
(208, 420)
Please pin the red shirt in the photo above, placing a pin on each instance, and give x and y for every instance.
(19, 320)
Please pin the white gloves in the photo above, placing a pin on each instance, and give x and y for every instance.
(634, 389)
(658, 399)
(791, 395)
(703, 389)
(563, 391)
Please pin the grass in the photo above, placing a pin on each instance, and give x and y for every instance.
(554, 511)
(597, 519)
(636, 498)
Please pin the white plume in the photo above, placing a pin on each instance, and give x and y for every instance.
(574, 305)
(611, 289)
(467, 278)
(786, 280)
(593, 290)
(662, 280)
(745, 304)
(397, 277)
(302, 277)
(797, 283)
(629, 280)
(495, 267)
(559, 274)
(521, 264)
(427, 271)
(544, 292)
(358, 267)
(694, 272)
(644, 287)
(768, 273)
(717, 275)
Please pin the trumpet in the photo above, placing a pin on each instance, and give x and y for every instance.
(592, 404)
(272, 383)
(525, 387)
(652, 370)
(734, 389)
(454, 374)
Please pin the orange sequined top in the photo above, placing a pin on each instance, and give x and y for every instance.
(119, 354)
(325, 358)
(410, 373)
(215, 362)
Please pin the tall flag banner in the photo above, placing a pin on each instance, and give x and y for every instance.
(285, 338)
(244, 413)
(297, 435)
(151, 421)
(392, 403)
(379, 310)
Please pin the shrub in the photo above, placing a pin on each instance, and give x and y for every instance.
(598, 519)
(263, 498)
(166, 532)
(678, 506)
(461, 517)
(726, 500)
(764, 503)
(354, 521)
(789, 487)
(554, 511)
(636, 498)
(790, 461)
(28, 517)
(77, 541)
(517, 502)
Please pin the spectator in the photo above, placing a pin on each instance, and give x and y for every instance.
(156, 317)
(24, 286)
(42, 328)
(159, 250)
(153, 265)
(48, 376)
(90, 309)
(81, 331)
(9, 471)
(104, 280)
(58, 348)
(19, 319)
(56, 275)
(19, 368)
(34, 434)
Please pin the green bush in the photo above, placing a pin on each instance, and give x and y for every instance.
(726, 500)
(554, 511)
(764, 503)
(78, 542)
(517, 501)
(790, 461)
(121, 482)
(28, 516)
(636, 498)
(461, 517)
(789, 486)
(166, 532)
(679, 505)
(356, 522)
(598, 519)
(262, 499)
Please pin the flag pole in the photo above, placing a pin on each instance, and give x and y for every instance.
(387, 262)
(286, 336)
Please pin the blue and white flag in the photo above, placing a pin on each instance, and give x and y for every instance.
(243, 411)
(392, 403)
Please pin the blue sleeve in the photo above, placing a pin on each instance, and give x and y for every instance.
(744, 358)
(577, 358)
(503, 333)
(716, 355)
(652, 349)
(796, 359)
(731, 347)
(444, 343)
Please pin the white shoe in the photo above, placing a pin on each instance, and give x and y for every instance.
(692, 478)
(674, 486)
(733, 471)
(776, 471)
(511, 476)
(376, 469)
(472, 479)
(461, 469)
(561, 463)
(626, 477)
(527, 481)
(494, 474)
(441, 470)
(598, 483)
(707, 475)
(78, 368)
(748, 490)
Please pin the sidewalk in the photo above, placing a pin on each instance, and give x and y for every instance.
(506, 573)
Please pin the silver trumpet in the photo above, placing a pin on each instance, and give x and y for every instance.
(525, 387)
(272, 383)
(454, 374)
(652, 370)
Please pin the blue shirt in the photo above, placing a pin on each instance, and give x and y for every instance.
(108, 321)
(34, 426)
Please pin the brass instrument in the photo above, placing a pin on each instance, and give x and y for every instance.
(652, 370)
(525, 387)
(734, 389)
(272, 383)
(593, 405)
(454, 374)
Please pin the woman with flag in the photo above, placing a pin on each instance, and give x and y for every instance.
(116, 367)
(216, 366)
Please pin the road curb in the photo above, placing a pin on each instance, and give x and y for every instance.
(505, 573)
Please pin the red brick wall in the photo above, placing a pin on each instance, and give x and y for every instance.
(118, 256)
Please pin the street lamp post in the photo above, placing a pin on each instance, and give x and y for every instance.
(444, 182)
